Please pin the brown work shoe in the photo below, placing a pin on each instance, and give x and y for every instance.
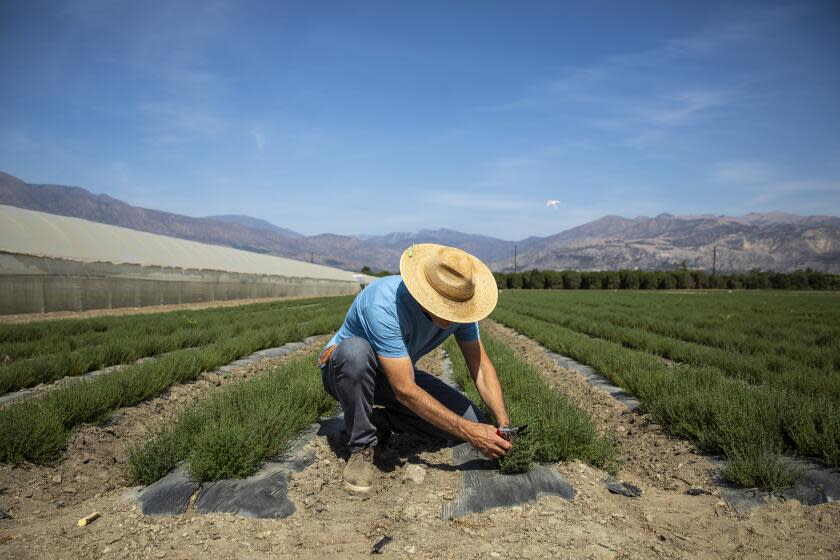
(359, 471)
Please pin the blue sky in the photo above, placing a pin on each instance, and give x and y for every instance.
(369, 117)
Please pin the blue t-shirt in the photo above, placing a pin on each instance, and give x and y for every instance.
(390, 319)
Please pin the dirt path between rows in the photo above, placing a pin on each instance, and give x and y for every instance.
(331, 523)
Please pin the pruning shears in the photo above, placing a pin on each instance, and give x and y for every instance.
(511, 432)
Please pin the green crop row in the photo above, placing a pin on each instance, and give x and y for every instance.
(557, 429)
(45, 368)
(778, 309)
(758, 370)
(68, 335)
(786, 325)
(238, 427)
(751, 426)
(123, 347)
(37, 430)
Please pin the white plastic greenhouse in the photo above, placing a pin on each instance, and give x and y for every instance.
(57, 263)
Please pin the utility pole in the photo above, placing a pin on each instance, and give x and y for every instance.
(311, 257)
(514, 258)
(714, 264)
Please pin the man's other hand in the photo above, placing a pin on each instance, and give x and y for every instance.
(484, 438)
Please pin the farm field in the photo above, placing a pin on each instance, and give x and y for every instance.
(41, 352)
(37, 429)
(81, 446)
(748, 374)
(260, 416)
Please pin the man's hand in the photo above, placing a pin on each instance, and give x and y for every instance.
(484, 438)
(400, 374)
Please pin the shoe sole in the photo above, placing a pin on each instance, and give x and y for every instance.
(354, 488)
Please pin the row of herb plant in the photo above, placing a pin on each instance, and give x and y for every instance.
(59, 335)
(127, 347)
(747, 323)
(557, 429)
(230, 434)
(751, 426)
(757, 370)
(36, 430)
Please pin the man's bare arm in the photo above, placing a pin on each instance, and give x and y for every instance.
(486, 380)
(400, 374)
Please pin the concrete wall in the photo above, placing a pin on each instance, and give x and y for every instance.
(30, 284)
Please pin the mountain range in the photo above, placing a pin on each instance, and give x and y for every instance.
(770, 241)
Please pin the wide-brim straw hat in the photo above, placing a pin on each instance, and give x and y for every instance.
(449, 282)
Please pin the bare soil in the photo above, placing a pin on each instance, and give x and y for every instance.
(332, 523)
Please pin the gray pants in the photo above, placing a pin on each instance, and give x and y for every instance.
(352, 377)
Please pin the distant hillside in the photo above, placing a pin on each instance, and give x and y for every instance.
(777, 241)
(489, 249)
(254, 223)
(248, 233)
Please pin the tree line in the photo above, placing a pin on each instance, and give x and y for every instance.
(682, 279)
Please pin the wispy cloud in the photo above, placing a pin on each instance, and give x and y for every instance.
(680, 107)
(645, 95)
(14, 140)
(172, 50)
(525, 168)
(798, 190)
(171, 45)
(478, 200)
(171, 123)
(743, 173)
(652, 119)
(729, 32)
(767, 184)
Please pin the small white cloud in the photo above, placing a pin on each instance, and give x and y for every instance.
(259, 138)
(552, 203)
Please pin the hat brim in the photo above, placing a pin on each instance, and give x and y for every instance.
(478, 307)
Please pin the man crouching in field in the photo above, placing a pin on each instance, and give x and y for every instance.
(390, 325)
